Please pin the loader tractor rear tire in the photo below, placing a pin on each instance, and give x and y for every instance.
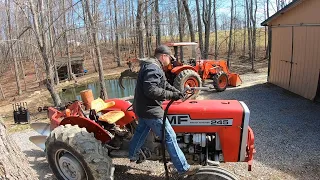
(211, 172)
(220, 81)
(75, 154)
(187, 77)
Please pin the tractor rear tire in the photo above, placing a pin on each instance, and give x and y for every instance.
(220, 81)
(211, 172)
(73, 153)
(187, 77)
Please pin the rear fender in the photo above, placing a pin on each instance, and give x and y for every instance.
(123, 106)
(91, 126)
(178, 69)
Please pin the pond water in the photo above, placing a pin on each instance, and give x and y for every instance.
(113, 89)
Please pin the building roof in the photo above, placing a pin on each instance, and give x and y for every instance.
(288, 7)
(75, 59)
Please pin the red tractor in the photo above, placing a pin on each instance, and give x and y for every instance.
(189, 69)
(83, 136)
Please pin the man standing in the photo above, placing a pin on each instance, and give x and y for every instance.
(151, 90)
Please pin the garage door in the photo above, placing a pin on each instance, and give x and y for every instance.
(305, 66)
(281, 56)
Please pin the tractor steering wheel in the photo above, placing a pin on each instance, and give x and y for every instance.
(187, 93)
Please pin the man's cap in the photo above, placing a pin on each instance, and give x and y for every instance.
(163, 49)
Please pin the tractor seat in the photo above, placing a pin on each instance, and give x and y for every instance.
(112, 116)
(99, 105)
(109, 117)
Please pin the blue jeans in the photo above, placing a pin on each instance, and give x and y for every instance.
(177, 157)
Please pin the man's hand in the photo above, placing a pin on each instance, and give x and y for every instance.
(176, 96)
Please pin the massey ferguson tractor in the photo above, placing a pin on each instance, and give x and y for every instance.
(83, 136)
(189, 69)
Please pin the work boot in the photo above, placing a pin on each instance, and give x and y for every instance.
(192, 170)
(144, 154)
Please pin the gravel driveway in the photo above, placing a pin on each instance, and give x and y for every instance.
(286, 128)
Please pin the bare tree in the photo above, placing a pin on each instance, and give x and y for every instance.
(9, 31)
(215, 29)
(139, 28)
(69, 65)
(93, 30)
(230, 34)
(41, 38)
(206, 17)
(180, 27)
(116, 33)
(199, 27)
(146, 24)
(188, 14)
(51, 36)
(157, 21)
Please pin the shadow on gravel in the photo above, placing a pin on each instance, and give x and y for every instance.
(39, 164)
(122, 172)
(286, 128)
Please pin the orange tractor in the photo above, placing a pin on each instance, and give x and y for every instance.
(83, 136)
(217, 70)
(191, 70)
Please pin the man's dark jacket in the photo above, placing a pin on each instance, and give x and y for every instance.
(151, 89)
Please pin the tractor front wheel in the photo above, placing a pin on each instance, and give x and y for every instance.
(187, 77)
(75, 154)
(220, 81)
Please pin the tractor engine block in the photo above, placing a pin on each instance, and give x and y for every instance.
(197, 147)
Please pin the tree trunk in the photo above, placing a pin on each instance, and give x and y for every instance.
(146, 23)
(244, 31)
(180, 29)
(267, 29)
(42, 45)
(69, 65)
(16, 71)
(230, 34)
(51, 32)
(206, 17)
(249, 28)
(199, 28)
(89, 38)
(188, 14)
(254, 31)
(157, 21)
(13, 163)
(103, 89)
(139, 29)
(216, 53)
(116, 33)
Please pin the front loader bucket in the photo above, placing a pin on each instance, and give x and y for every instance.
(44, 130)
(234, 80)
(41, 128)
(39, 141)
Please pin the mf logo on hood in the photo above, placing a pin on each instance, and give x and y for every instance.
(185, 120)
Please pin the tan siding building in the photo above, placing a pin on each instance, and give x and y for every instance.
(294, 35)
